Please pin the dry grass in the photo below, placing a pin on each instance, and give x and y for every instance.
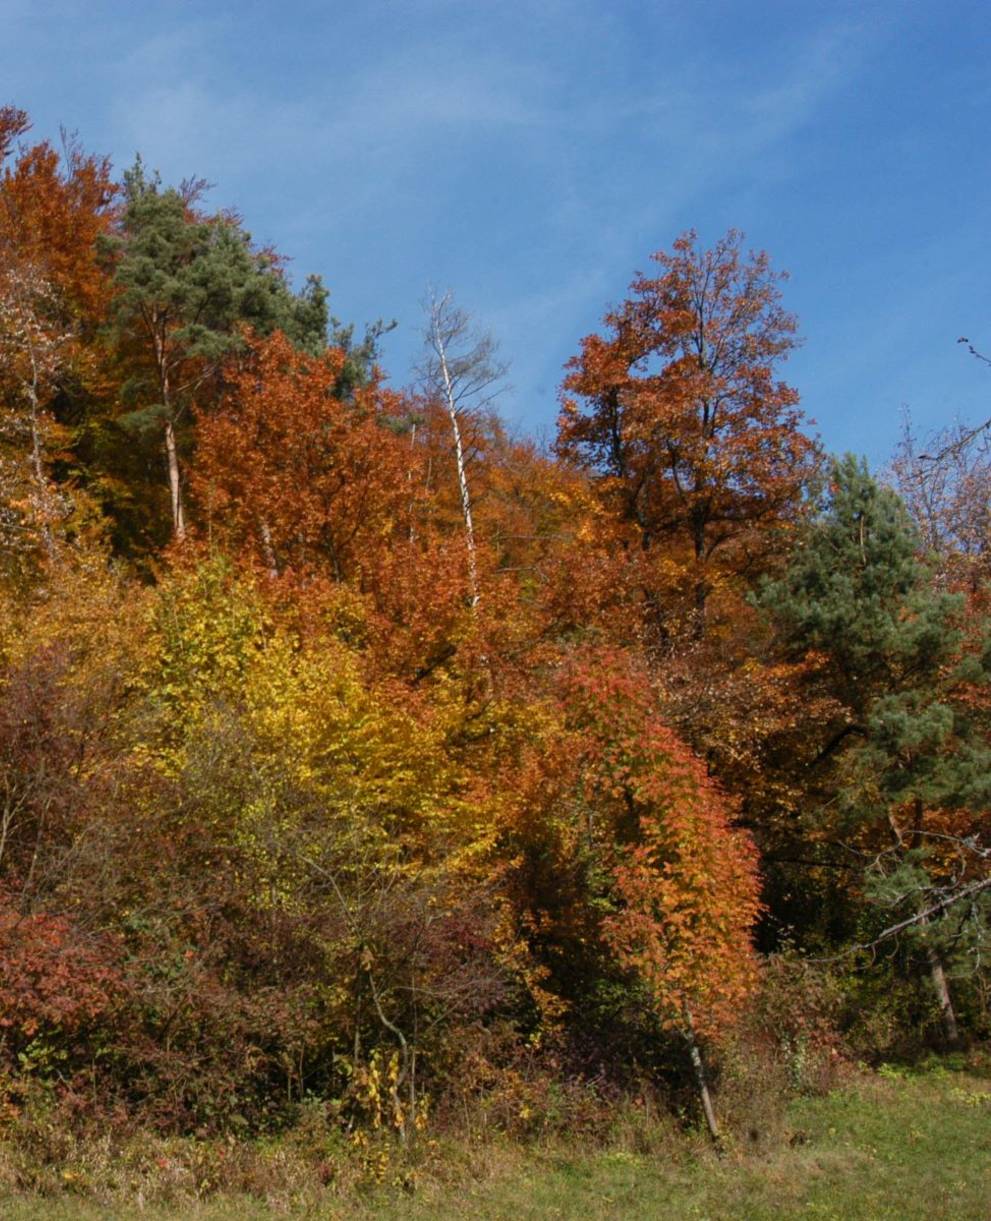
(889, 1145)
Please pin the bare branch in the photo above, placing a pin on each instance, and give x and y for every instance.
(920, 917)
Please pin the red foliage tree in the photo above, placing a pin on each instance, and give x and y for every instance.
(53, 977)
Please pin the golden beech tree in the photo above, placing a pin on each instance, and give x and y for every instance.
(679, 412)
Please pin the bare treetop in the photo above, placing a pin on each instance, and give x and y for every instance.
(460, 361)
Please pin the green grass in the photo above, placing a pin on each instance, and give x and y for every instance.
(893, 1145)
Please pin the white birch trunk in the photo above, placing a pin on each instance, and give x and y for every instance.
(452, 411)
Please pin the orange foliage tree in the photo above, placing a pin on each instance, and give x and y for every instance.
(624, 839)
(300, 478)
(685, 877)
(52, 210)
(679, 412)
(339, 494)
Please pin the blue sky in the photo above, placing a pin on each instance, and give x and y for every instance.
(531, 156)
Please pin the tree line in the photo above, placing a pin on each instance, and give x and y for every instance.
(353, 748)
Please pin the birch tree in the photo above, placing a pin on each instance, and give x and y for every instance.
(460, 369)
(34, 351)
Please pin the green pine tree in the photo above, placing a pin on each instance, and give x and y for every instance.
(907, 744)
(187, 286)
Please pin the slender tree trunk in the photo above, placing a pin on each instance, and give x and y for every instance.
(37, 459)
(268, 550)
(701, 1082)
(409, 481)
(701, 594)
(937, 973)
(466, 511)
(700, 591)
(175, 487)
(452, 411)
(171, 449)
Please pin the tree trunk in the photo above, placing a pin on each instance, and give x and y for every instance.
(268, 550)
(700, 591)
(175, 488)
(937, 974)
(171, 450)
(439, 344)
(701, 594)
(37, 460)
(466, 510)
(409, 480)
(701, 1083)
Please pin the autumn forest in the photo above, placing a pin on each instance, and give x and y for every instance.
(360, 756)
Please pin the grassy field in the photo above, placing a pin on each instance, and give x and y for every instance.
(892, 1145)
